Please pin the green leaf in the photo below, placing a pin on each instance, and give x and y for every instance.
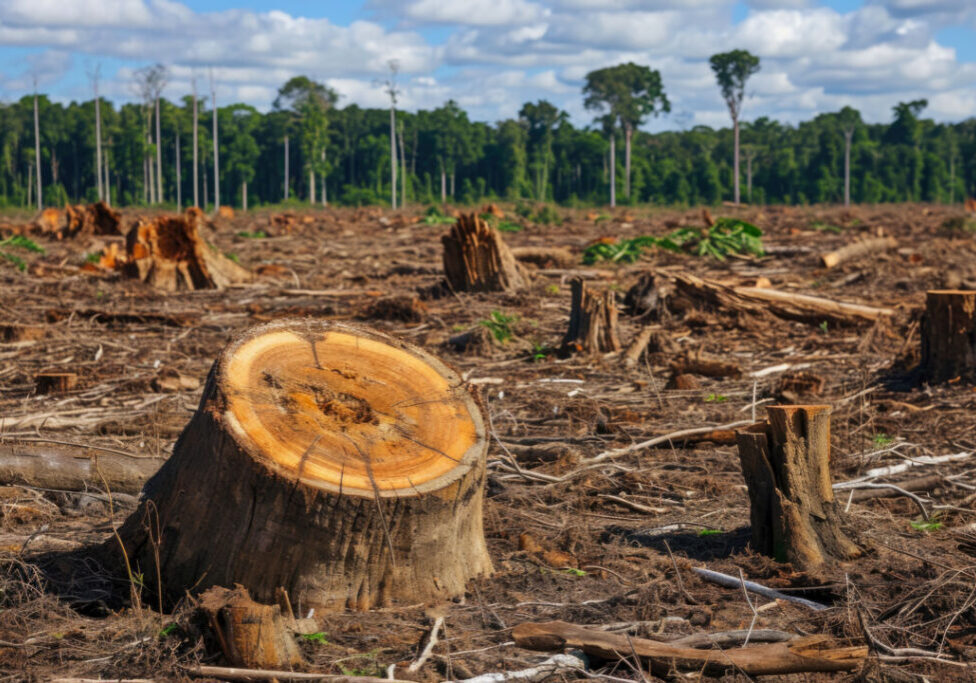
(18, 262)
(710, 532)
(168, 629)
(931, 525)
(574, 571)
(317, 637)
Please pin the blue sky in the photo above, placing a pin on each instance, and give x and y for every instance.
(493, 55)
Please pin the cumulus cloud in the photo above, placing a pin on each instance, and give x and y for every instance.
(493, 55)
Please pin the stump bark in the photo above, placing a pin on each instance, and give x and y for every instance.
(333, 462)
(786, 465)
(476, 259)
(592, 321)
(949, 336)
(169, 253)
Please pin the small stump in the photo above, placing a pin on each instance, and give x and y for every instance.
(949, 336)
(786, 465)
(333, 462)
(476, 259)
(592, 321)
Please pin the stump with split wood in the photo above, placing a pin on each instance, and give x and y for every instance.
(592, 321)
(949, 336)
(331, 461)
(169, 253)
(476, 259)
(786, 465)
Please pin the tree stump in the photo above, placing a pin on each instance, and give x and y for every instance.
(477, 260)
(949, 336)
(94, 219)
(592, 321)
(331, 461)
(786, 465)
(169, 253)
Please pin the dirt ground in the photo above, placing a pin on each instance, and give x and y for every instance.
(611, 546)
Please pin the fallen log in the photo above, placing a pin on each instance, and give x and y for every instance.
(809, 654)
(63, 468)
(857, 250)
(762, 300)
(230, 673)
(349, 469)
(545, 257)
(786, 464)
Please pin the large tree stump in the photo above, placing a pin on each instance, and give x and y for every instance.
(786, 465)
(477, 260)
(169, 253)
(331, 461)
(949, 335)
(592, 321)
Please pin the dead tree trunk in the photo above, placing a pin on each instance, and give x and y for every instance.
(949, 336)
(786, 465)
(592, 321)
(336, 463)
(169, 253)
(477, 260)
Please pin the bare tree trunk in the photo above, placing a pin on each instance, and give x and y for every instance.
(244, 194)
(179, 175)
(206, 188)
(325, 198)
(37, 151)
(613, 170)
(311, 187)
(393, 158)
(108, 185)
(286, 168)
(145, 181)
(403, 170)
(452, 185)
(628, 134)
(443, 186)
(159, 156)
(98, 140)
(213, 99)
(847, 166)
(30, 183)
(735, 170)
(196, 163)
(151, 171)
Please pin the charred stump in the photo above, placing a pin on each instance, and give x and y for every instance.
(786, 465)
(169, 253)
(949, 336)
(330, 461)
(592, 321)
(476, 259)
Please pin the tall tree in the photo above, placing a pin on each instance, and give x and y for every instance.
(392, 91)
(848, 118)
(540, 120)
(216, 159)
(307, 104)
(96, 72)
(196, 145)
(732, 70)
(628, 93)
(37, 149)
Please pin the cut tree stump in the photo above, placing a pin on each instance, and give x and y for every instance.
(169, 253)
(786, 465)
(250, 634)
(476, 259)
(333, 462)
(592, 321)
(949, 336)
(94, 219)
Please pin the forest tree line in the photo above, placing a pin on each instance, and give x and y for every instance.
(306, 148)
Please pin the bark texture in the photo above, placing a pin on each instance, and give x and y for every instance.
(949, 336)
(786, 465)
(476, 259)
(169, 253)
(592, 321)
(333, 462)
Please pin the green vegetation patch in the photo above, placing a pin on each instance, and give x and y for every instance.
(727, 236)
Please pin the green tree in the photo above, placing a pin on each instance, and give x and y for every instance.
(627, 93)
(308, 102)
(732, 70)
(540, 120)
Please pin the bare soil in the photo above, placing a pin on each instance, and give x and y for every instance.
(611, 545)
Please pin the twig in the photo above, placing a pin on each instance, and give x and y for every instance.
(229, 673)
(428, 648)
(557, 664)
(677, 576)
(758, 589)
(755, 614)
(613, 453)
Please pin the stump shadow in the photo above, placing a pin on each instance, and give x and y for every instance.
(692, 543)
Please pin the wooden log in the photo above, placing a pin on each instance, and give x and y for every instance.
(334, 462)
(72, 468)
(699, 363)
(476, 259)
(801, 655)
(949, 336)
(55, 382)
(250, 634)
(761, 300)
(855, 250)
(169, 253)
(545, 257)
(592, 321)
(786, 464)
